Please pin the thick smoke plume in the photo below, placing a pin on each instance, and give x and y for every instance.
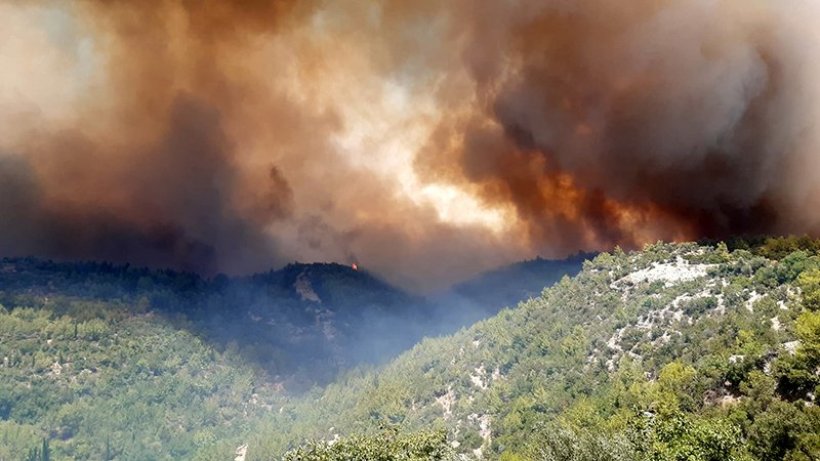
(612, 122)
(426, 140)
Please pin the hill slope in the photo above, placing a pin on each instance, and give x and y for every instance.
(114, 360)
(101, 383)
(676, 352)
(672, 350)
(487, 293)
(301, 324)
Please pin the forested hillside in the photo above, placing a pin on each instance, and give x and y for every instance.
(677, 352)
(102, 383)
(680, 351)
(301, 324)
(115, 361)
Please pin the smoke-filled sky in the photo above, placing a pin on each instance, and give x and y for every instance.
(425, 140)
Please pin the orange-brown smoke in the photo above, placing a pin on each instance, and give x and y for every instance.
(146, 170)
(428, 140)
(619, 122)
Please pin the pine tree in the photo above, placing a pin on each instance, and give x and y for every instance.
(46, 453)
(108, 456)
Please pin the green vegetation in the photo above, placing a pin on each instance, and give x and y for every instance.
(300, 325)
(388, 446)
(677, 352)
(118, 386)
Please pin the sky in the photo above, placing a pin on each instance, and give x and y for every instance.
(425, 141)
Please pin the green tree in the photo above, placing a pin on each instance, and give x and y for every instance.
(40, 454)
(682, 437)
(423, 446)
(809, 283)
(565, 444)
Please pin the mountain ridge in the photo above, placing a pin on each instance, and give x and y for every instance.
(683, 333)
(310, 320)
(679, 351)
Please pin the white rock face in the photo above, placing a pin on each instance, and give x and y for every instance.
(478, 378)
(241, 452)
(446, 401)
(728, 400)
(671, 273)
(484, 430)
(791, 347)
(753, 299)
(305, 289)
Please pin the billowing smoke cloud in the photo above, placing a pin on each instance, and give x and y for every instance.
(427, 140)
(146, 173)
(612, 123)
